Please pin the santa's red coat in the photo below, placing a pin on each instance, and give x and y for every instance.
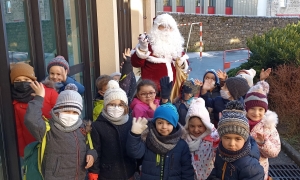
(153, 71)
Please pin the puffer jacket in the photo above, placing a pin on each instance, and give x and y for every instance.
(244, 168)
(24, 136)
(272, 145)
(98, 106)
(109, 141)
(177, 162)
(65, 152)
(141, 109)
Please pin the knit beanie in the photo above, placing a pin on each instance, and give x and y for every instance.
(68, 100)
(237, 86)
(248, 78)
(251, 72)
(21, 69)
(214, 73)
(190, 88)
(234, 121)
(114, 92)
(198, 109)
(257, 96)
(58, 61)
(167, 112)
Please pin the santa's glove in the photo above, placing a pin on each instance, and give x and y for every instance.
(139, 125)
(93, 176)
(165, 87)
(143, 41)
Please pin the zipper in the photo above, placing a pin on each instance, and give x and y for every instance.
(78, 153)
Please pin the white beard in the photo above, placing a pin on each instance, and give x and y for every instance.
(166, 43)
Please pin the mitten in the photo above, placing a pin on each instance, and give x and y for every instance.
(139, 125)
(166, 87)
(93, 176)
(143, 41)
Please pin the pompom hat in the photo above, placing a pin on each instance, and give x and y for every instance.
(21, 69)
(58, 61)
(234, 121)
(114, 92)
(257, 96)
(167, 112)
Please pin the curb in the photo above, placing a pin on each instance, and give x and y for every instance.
(290, 151)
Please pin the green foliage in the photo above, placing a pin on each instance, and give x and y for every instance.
(275, 47)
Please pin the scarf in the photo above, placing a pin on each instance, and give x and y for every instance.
(24, 97)
(193, 142)
(162, 144)
(252, 123)
(61, 127)
(116, 121)
(57, 85)
(231, 156)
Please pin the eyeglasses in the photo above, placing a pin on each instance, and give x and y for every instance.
(150, 94)
(116, 105)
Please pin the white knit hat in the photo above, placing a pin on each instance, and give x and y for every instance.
(248, 78)
(198, 109)
(68, 100)
(114, 92)
(250, 72)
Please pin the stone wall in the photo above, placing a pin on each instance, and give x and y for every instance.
(227, 32)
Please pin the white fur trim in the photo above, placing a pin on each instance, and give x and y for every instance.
(141, 54)
(270, 119)
(170, 71)
(154, 59)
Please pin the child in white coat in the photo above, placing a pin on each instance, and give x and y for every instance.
(202, 138)
(262, 124)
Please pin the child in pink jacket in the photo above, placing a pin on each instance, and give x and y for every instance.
(262, 124)
(145, 103)
(202, 138)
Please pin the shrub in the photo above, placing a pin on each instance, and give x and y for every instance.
(284, 98)
(275, 47)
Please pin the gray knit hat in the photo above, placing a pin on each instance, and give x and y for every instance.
(58, 61)
(68, 100)
(234, 121)
(114, 92)
(237, 87)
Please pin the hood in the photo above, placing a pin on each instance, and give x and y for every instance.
(213, 72)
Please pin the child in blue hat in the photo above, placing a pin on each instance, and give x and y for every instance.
(165, 154)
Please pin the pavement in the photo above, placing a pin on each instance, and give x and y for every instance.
(214, 60)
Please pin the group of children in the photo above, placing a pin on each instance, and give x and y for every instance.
(218, 128)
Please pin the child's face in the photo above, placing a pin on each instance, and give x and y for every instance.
(146, 94)
(70, 112)
(227, 95)
(256, 113)
(196, 127)
(232, 142)
(187, 96)
(117, 78)
(22, 79)
(103, 90)
(163, 127)
(210, 76)
(56, 73)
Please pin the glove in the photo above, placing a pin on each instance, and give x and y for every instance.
(139, 125)
(166, 87)
(143, 41)
(93, 176)
(187, 89)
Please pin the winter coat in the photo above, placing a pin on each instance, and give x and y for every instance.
(247, 167)
(177, 162)
(141, 109)
(182, 110)
(72, 80)
(24, 136)
(272, 145)
(98, 106)
(65, 153)
(109, 141)
(218, 104)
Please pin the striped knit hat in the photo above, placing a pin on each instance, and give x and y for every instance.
(257, 96)
(234, 121)
(58, 61)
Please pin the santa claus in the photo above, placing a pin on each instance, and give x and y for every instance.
(160, 53)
